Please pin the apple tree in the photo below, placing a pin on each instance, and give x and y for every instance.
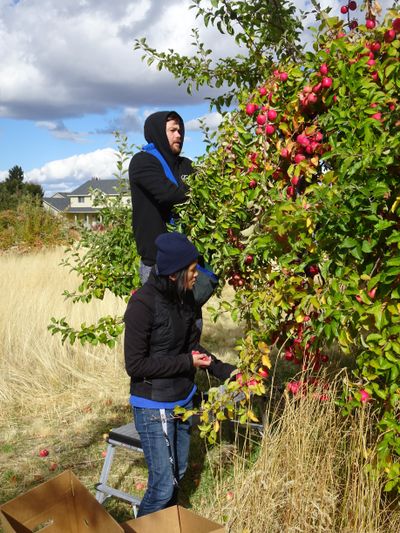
(103, 260)
(299, 196)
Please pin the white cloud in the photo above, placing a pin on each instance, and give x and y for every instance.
(66, 174)
(65, 59)
(74, 57)
(129, 120)
(211, 120)
(60, 131)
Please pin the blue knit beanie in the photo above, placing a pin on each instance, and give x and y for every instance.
(174, 252)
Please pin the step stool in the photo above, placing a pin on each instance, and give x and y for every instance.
(127, 437)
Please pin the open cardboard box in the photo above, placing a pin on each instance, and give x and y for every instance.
(174, 519)
(60, 505)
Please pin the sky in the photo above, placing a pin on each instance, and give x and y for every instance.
(69, 77)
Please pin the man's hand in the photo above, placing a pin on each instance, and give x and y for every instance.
(201, 360)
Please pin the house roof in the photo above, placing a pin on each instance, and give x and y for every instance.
(82, 210)
(60, 204)
(107, 186)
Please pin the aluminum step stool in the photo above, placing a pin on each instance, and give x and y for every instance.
(127, 437)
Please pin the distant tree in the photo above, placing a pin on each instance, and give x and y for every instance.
(34, 189)
(13, 189)
(15, 181)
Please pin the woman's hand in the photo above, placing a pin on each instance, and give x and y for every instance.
(201, 360)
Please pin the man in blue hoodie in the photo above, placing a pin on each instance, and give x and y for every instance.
(156, 176)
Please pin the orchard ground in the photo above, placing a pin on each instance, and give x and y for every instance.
(306, 474)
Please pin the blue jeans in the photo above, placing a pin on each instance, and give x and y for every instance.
(144, 272)
(161, 492)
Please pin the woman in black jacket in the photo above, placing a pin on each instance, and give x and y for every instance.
(162, 352)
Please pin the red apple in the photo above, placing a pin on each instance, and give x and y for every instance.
(375, 46)
(252, 184)
(249, 259)
(289, 354)
(370, 24)
(389, 36)
(352, 5)
(285, 153)
(396, 25)
(290, 191)
(302, 139)
(344, 10)
(326, 82)
(377, 116)
(365, 396)
(272, 114)
(324, 69)
(269, 129)
(317, 88)
(312, 98)
(53, 466)
(44, 452)
(298, 158)
(372, 293)
(283, 76)
(262, 91)
(261, 119)
(251, 108)
(353, 24)
(263, 372)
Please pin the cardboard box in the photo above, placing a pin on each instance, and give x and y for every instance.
(61, 505)
(174, 519)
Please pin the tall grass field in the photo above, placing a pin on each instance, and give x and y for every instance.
(305, 473)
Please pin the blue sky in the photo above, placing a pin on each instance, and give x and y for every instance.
(69, 77)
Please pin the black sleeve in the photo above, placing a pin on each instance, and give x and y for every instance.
(138, 324)
(146, 172)
(219, 369)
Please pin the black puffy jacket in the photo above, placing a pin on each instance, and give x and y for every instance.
(159, 338)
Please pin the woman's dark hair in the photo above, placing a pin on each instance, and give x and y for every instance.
(176, 289)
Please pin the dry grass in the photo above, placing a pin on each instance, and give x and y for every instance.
(58, 396)
(307, 476)
(34, 366)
